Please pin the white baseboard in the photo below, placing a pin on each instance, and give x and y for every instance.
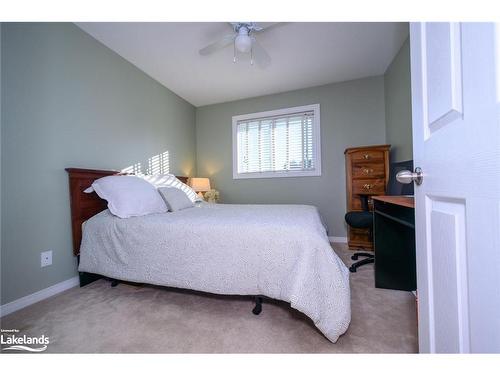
(20, 303)
(338, 239)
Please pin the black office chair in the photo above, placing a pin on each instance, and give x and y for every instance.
(361, 219)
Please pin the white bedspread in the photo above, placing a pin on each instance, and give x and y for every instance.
(280, 251)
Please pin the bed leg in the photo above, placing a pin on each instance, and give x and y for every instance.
(258, 306)
(114, 283)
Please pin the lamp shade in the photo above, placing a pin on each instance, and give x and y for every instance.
(199, 183)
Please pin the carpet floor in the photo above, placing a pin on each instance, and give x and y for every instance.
(148, 319)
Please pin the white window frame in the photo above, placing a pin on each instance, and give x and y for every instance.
(284, 111)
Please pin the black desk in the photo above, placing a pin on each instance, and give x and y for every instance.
(394, 242)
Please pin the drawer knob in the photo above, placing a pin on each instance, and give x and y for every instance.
(366, 156)
(367, 171)
(367, 186)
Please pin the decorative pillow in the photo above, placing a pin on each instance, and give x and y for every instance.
(129, 196)
(175, 198)
(169, 180)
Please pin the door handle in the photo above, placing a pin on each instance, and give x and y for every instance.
(406, 177)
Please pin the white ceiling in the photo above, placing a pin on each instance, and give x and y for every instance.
(303, 55)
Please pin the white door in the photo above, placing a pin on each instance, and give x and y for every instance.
(456, 139)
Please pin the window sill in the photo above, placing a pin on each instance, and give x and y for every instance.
(244, 176)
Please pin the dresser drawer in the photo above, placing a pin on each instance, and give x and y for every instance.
(356, 205)
(360, 239)
(368, 186)
(368, 170)
(363, 156)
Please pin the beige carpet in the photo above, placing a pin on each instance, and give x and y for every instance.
(148, 319)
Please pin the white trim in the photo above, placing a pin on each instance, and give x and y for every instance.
(284, 111)
(338, 239)
(279, 174)
(20, 303)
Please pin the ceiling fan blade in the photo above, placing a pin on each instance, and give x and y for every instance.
(234, 25)
(260, 55)
(221, 43)
(261, 26)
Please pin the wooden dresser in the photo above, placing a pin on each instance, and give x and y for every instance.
(367, 174)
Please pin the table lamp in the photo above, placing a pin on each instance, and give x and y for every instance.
(200, 185)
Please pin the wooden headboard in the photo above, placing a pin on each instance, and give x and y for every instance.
(83, 205)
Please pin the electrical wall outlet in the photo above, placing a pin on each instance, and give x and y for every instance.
(46, 258)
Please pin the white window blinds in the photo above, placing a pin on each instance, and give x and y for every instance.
(280, 144)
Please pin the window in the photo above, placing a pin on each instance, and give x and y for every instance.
(281, 143)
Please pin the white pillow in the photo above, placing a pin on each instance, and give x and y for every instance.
(175, 198)
(129, 196)
(169, 180)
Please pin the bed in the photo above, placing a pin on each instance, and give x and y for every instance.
(278, 251)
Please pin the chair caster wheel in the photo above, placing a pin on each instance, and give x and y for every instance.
(352, 269)
(354, 257)
(257, 310)
(258, 306)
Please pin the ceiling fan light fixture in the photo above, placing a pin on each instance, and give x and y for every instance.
(243, 42)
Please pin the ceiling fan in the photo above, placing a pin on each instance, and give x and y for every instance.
(244, 41)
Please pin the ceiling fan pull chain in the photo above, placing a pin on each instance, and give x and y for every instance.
(251, 55)
(234, 52)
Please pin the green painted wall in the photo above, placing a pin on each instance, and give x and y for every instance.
(67, 100)
(352, 114)
(397, 88)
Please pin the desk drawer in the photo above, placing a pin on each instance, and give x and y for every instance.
(368, 186)
(368, 170)
(367, 155)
